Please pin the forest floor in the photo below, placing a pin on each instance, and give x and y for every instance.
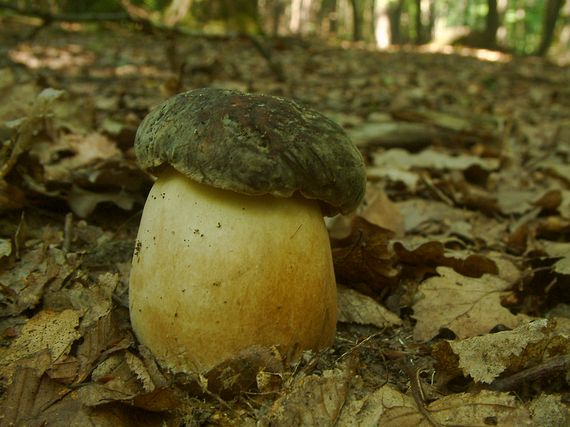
(453, 274)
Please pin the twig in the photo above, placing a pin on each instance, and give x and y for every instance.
(417, 391)
(442, 196)
(67, 232)
(358, 345)
(547, 368)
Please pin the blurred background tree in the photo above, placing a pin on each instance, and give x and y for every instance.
(518, 26)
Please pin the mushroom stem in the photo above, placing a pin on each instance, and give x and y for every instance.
(215, 272)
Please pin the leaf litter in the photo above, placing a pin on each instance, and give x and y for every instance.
(453, 274)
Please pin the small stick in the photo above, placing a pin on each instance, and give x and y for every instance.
(547, 368)
(417, 391)
(67, 232)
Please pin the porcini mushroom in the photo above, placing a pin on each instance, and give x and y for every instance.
(232, 250)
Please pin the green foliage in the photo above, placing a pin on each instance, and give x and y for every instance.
(232, 15)
(524, 20)
(89, 6)
(154, 5)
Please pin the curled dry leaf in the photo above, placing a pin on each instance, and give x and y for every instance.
(365, 255)
(29, 127)
(101, 338)
(378, 209)
(240, 373)
(367, 411)
(315, 400)
(431, 159)
(390, 407)
(26, 281)
(354, 307)
(30, 393)
(561, 252)
(486, 357)
(467, 306)
(433, 253)
(462, 409)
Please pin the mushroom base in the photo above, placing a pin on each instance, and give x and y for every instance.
(215, 272)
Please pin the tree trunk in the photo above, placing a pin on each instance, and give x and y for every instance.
(430, 27)
(327, 16)
(491, 24)
(550, 17)
(357, 18)
(382, 30)
(277, 9)
(424, 20)
(395, 15)
(300, 16)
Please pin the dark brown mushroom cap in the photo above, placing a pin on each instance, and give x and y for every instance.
(253, 144)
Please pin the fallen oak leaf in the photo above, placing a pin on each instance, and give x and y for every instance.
(354, 307)
(47, 329)
(365, 255)
(463, 409)
(486, 357)
(433, 254)
(467, 306)
(312, 400)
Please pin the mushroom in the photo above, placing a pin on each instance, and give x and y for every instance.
(232, 251)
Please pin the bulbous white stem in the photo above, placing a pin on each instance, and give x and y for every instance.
(215, 272)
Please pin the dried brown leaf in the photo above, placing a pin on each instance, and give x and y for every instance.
(314, 400)
(28, 396)
(367, 411)
(381, 211)
(29, 277)
(432, 254)
(467, 306)
(239, 374)
(549, 410)
(365, 255)
(431, 159)
(484, 358)
(354, 307)
(46, 330)
(102, 338)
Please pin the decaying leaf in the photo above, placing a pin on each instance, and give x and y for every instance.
(561, 251)
(432, 254)
(27, 279)
(465, 305)
(484, 408)
(112, 380)
(240, 373)
(486, 357)
(103, 337)
(29, 127)
(389, 407)
(367, 411)
(354, 307)
(381, 211)
(55, 331)
(365, 255)
(549, 410)
(432, 159)
(29, 394)
(313, 400)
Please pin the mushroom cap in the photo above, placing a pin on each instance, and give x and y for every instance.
(253, 144)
